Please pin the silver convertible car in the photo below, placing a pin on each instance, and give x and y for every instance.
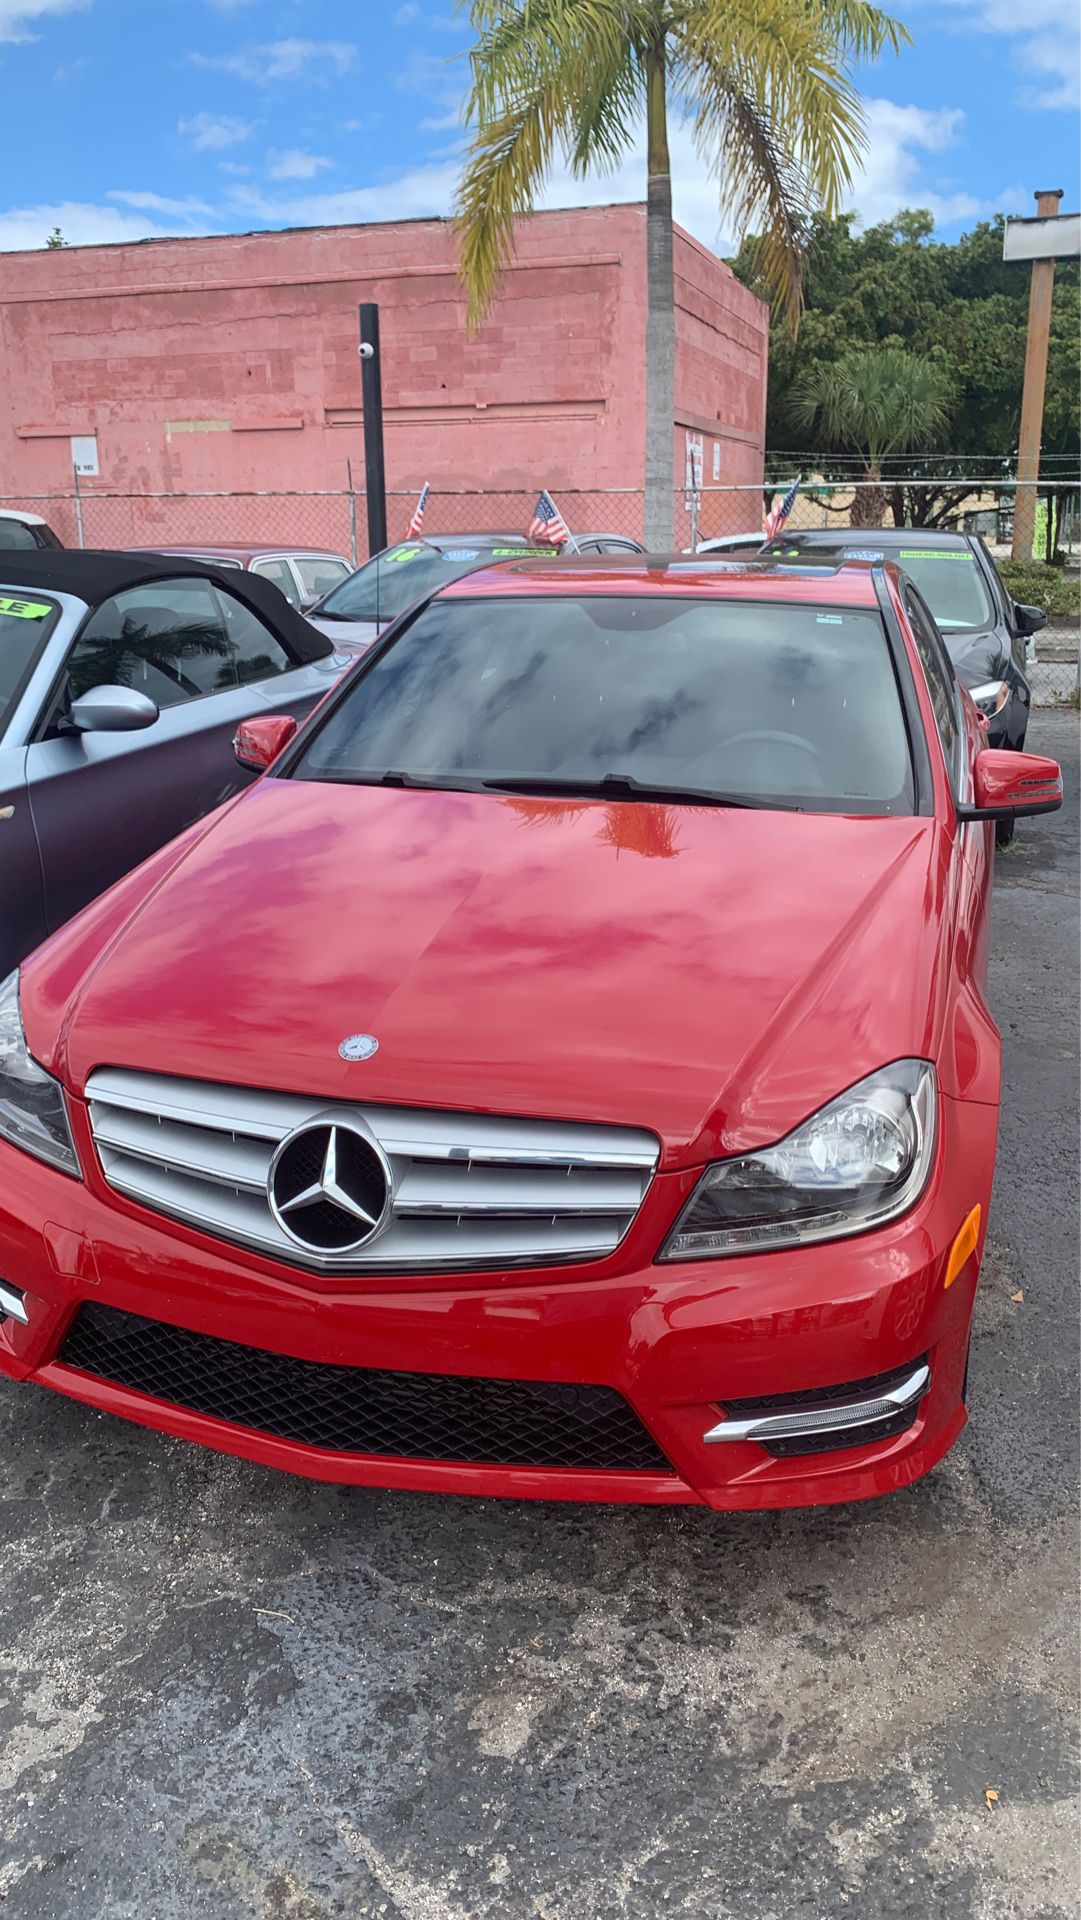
(122, 681)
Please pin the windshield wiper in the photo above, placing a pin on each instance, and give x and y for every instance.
(328, 613)
(392, 777)
(620, 786)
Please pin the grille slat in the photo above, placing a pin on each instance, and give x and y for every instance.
(361, 1410)
(469, 1190)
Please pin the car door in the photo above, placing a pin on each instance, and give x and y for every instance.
(101, 802)
(33, 631)
(961, 736)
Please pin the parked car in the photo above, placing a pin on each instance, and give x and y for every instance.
(741, 546)
(985, 631)
(22, 532)
(303, 574)
(122, 681)
(390, 581)
(567, 1073)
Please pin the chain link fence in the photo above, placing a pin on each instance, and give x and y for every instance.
(336, 522)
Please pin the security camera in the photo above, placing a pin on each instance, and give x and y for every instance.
(366, 350)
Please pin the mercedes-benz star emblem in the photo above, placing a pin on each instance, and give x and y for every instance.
(358, 1046)
(329, 1186)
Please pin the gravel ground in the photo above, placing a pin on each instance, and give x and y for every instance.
(232, 1695)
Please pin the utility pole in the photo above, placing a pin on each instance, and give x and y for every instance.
(371, 385)
(1039, 330)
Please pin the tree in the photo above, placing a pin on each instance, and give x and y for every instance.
(877, 401)
(957, 302)
(56, 239)
(768, 87)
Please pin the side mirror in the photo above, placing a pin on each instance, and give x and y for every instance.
(111, 710)
(1006, 783)
(257, 742)
(1029, 619)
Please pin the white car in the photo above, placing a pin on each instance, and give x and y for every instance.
(22, 532)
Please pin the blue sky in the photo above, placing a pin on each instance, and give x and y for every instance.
(191, 116)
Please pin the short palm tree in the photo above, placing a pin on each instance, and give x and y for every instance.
(875, 401)
(768, 86)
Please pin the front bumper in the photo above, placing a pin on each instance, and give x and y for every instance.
(677, 1342)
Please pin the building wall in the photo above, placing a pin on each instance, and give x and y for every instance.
(230, 363)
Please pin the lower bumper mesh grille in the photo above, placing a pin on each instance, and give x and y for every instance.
(422, 1416)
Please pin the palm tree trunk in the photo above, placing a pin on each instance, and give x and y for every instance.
(869, 505)
(660, 313)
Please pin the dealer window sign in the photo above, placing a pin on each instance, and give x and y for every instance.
(84, 455)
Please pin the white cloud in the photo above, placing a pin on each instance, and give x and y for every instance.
(282, 60)
(296, 165)
(405, 14)
(420, 192)
(18, 16)
(1048, 46)
(442, 122)
(160, 203)
(210, 132)
(894, 173)
(82, 225)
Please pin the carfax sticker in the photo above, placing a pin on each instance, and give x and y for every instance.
(24, 609)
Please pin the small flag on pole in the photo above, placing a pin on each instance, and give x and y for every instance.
(547, 522)
(418, 510)
(777, 516)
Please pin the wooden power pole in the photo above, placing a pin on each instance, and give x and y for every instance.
(1039, 331)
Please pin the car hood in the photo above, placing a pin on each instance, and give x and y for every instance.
(354, 634)
(712, 974)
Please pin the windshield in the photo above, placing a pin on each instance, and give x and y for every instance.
(390, 582)
(950, 581)
(777, 704)
(24, 625)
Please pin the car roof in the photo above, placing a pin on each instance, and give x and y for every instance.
(870, 537)
(442, 542)
(270, 550)
(17, 513)
(847, 584)
(96, 576)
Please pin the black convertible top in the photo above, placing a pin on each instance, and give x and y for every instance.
(95, 577)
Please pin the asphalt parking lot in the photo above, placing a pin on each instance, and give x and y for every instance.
(227, 1693)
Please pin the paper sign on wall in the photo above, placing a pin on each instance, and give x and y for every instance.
(84, 454)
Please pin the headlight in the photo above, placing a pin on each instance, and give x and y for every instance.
(854, 1165)
(32, 1111)
(992, 696)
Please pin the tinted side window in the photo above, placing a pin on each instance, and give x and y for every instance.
(174, 640)
(14, 537)
(940, 675)
(281, 573)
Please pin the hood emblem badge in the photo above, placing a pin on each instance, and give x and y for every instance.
(358, 1046)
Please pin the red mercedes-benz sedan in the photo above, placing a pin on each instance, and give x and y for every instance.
(567, 1073)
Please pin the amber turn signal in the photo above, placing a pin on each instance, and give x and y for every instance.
(963, 1247)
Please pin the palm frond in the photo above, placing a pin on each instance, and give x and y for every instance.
(779, 118)
(544, 73)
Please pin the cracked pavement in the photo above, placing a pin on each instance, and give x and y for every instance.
(230, 1695)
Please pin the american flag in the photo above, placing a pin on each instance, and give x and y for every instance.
(777, 516)
(547, 522)
(418, 510)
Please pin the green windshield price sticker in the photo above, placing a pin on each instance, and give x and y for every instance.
(405, 553)
(932, 553)
(24, 609)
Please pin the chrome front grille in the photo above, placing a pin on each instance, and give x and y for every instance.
(469, 1190)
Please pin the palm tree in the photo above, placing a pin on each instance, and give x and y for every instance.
(876, 401)
(768, 85)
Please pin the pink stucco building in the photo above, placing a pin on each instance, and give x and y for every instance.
(230, 364)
